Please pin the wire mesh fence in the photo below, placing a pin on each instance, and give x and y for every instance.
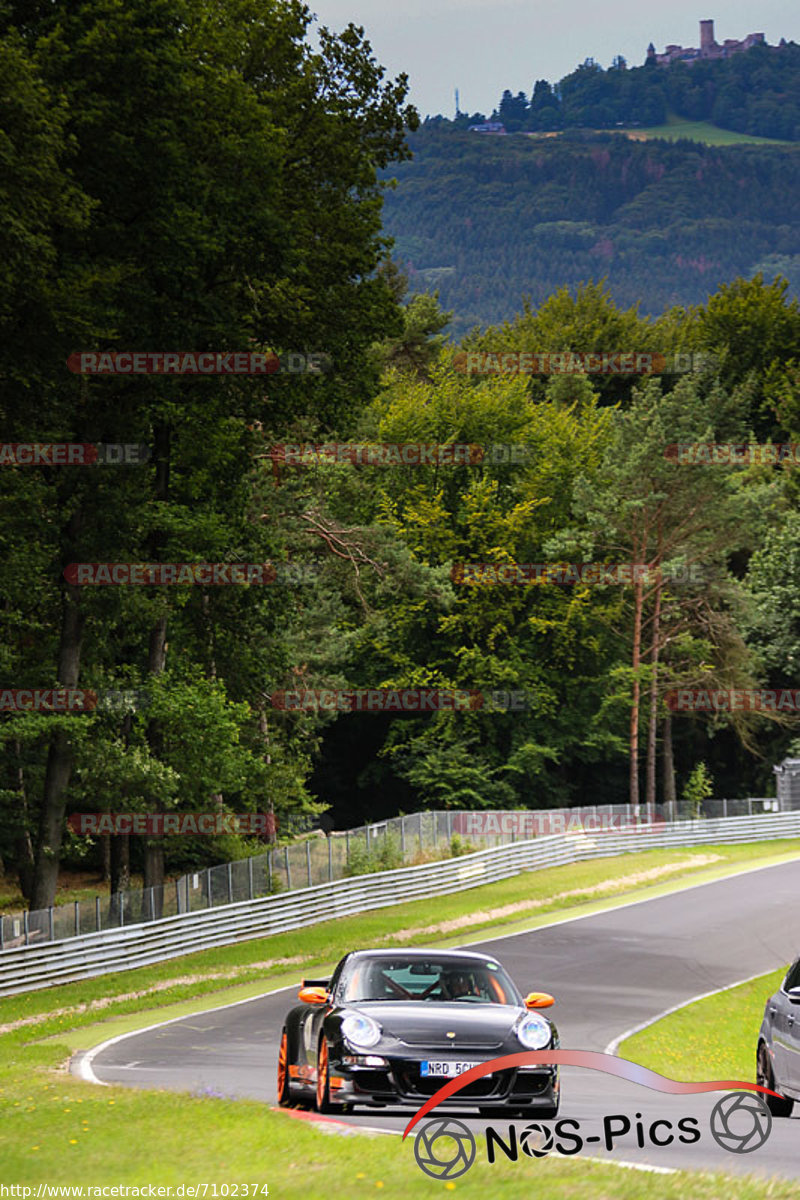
(319, 858)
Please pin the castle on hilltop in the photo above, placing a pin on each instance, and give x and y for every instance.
(708, 49)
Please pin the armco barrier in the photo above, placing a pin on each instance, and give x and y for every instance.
(27, 968)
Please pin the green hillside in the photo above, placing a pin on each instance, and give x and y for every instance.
(488, 220)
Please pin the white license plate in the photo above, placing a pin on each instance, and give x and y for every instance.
(445, 1069)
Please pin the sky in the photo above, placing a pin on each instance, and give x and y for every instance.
(484, 46)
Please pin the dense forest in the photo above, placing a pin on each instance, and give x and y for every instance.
(487, 220)
(755, 92)
(103, 249)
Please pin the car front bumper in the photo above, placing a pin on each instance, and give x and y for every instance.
(400, 1082)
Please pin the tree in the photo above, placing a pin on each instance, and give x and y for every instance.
(193, 129)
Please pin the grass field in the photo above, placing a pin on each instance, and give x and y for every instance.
(700, 131)
(711, 1039)
(57, 1129)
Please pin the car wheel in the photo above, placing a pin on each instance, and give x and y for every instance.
(324, 1103)
(284, 1087)
(765, 1077)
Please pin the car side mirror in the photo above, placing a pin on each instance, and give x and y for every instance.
(313, 995)
(794, 995)
(539, 1000)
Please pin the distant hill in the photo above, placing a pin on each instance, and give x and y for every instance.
(486, 220)
(754, 92)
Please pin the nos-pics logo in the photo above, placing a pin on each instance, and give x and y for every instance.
(446, 1148)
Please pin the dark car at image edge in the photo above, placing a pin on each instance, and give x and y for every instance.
(778, 1051)
(390, 1027)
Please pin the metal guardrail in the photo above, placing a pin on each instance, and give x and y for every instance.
(381, 845)
(28, 968)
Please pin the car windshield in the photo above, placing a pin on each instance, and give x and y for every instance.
(435, 980)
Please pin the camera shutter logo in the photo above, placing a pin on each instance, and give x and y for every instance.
(444, 1148)
(741, 1123)
(536, 1140)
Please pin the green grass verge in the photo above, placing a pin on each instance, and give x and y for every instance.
(58, 1129)
(80, 1135)
(713, 1038)
(703, 131)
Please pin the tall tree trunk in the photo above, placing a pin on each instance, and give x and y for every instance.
(24, 846)
(668, 768)
(650, 794)
(120, 864)
(154, 847)
(119, 857)
(263, 728)
(636, 659)
(59, 762)
(156, 661)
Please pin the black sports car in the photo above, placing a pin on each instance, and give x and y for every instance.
(778, 1054)
(390, 1027)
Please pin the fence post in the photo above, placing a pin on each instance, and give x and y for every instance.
(288, 870)
(330, 858)
(347, 846)
(250, 875)
(97, 913)
(27, 930)
(152, 891)
(403, 837)
(230, 883)
(177, 897)
(51, 924)
(208, 884)
(308, 859)
(122, 908)
(724, 808)
(77, 918)
(269, 871)
(366, 827)
(749, 806)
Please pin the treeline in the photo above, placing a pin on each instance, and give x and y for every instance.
(487, 220)
(756, 91)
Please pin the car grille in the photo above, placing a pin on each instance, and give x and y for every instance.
(409, 1080)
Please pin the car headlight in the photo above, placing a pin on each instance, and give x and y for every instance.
(534, 1032)
(360, 1030)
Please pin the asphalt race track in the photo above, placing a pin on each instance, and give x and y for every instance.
(608, 972)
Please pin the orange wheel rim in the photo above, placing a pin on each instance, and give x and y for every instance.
(282, 1056)
(322, 1072)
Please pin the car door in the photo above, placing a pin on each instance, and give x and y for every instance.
(783, 1017)
(791, 1030)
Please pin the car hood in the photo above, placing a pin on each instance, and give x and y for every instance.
(421, 1023)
